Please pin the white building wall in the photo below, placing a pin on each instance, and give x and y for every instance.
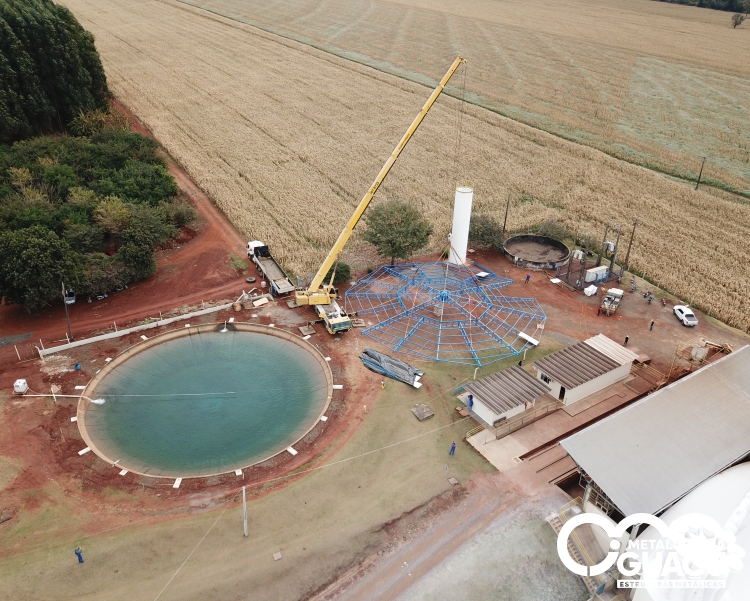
(489, 417)
(580, 392)
(554, 387)
(483, 413)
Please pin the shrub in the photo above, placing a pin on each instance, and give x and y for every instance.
(343, 273)
(485, 232)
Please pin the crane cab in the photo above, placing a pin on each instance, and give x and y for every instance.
(334, 317)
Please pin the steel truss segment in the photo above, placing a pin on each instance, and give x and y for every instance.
(428, 311)
(469, 344)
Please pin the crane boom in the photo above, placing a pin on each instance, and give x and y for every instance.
(319, 293)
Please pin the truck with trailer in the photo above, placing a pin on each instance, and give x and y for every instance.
(612, 300)
(278, 281)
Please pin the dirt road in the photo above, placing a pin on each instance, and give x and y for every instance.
(513, 498)
(197, 268)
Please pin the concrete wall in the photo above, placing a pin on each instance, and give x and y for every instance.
(84, 401)
(488, 416)
(580, 392)
(123, 332)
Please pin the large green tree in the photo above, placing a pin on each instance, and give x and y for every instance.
(51, 182)
(35, 262)
(397, 230)
(50, 70)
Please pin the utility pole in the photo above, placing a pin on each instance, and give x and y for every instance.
(698, 183)
(505, 221)
(244, 509)
(601, 250)
(614, 253)
(67, 316)
(570, 262)
(636, 221)
(585, 260)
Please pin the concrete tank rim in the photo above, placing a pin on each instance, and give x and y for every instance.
(538, 238)
(84, 400)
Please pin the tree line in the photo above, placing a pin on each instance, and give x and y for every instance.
(734, 6)
(88, 210)
(50, 70)
(85, 210)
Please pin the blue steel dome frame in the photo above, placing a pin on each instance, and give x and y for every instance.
(445, 312)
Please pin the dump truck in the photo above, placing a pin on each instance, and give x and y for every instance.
(612, 300)
(278, 281)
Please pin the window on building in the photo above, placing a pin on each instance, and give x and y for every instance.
(544, 378)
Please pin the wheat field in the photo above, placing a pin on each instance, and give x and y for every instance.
(286, 139)
(656, 84)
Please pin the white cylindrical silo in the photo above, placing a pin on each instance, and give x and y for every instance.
(461, 220)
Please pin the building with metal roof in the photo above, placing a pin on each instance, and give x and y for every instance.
(504, 394)
(652, 453)
(611, 349)
(584, 368)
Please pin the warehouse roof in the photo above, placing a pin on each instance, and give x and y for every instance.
(614, 351)
(652, 453)
(576, 365)
(507, 389)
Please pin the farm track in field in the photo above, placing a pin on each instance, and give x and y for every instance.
(286, 138)
(657, 86)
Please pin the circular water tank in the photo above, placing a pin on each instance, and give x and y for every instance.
(536, 252)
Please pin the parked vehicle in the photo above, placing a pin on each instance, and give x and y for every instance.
(260, 255)
(612, 300)
(686, 315)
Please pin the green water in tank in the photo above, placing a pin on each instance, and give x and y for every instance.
(207, 403)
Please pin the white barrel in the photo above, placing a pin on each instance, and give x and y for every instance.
(461, 220)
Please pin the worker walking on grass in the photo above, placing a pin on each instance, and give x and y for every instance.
(651, 327)
(626, 340)
(79, 554)
(528, 277)
(453, 449)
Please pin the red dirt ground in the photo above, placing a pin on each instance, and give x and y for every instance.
(197, 268)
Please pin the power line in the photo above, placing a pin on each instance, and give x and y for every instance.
(257, 484)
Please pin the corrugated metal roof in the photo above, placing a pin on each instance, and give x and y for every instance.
(507, 389)
(613, 350)
(650, 454)
(576, 365)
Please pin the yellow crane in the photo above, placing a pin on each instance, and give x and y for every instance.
(322, 295)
